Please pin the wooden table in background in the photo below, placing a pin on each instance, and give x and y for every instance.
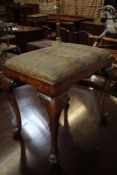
(36, 19)
(26, 34)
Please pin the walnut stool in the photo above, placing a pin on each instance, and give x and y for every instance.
(52, 71)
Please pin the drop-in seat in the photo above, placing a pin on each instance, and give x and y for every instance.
(52, 71)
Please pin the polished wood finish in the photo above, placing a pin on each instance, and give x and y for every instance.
(106, 42)
(86, 28)
(93, 27)
(109, 43)
(37, 19)
(8, 83)
(18, 13)
(66, 18)
(26, 34)
(54, 108)
(54, 97)
(85, 146)
(6, 35)
(3, 60)
(34, 45)
(67, 21)
(65, 35)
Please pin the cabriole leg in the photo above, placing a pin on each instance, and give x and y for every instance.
(103, 94)
(15, 107)
(7, 85)
(54, 107)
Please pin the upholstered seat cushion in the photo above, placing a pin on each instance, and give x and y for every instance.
(52, 64)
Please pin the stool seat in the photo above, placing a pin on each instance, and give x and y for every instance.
(56, 64)
(52, 71)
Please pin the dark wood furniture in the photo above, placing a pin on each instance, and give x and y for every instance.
(37, 19)
(93, 27)
(34, 45)
(65, 35)
(105, 42)
(2, 62)
(6, 35)
(26, 34)
(18, 13)
(66, 21)
(52, 71)
(111, 45)
(2, 13)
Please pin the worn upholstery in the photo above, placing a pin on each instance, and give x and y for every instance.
(57, 62)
